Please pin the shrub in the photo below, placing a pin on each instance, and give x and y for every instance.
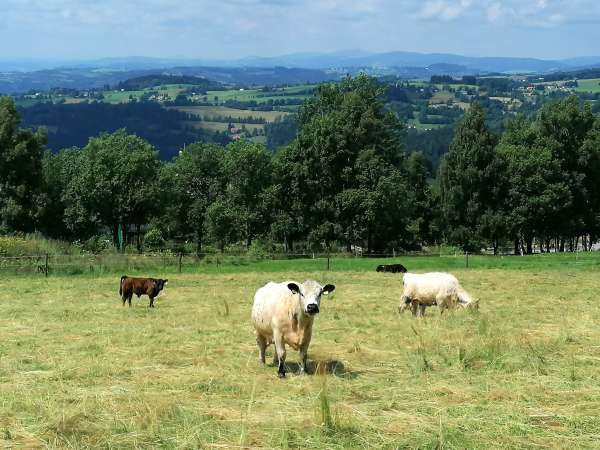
(153, 239)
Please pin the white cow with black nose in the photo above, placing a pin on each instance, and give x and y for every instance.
(283, 313)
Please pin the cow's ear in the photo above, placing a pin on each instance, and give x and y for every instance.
(294, 288)
(166, 281)
(328, 288)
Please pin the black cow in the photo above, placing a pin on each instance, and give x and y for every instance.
(393, 268)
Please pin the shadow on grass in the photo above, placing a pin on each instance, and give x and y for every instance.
(323, 367)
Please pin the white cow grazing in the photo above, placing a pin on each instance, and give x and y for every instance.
(283, 313)
(435, 288)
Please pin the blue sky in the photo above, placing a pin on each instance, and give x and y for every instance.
(229, 29)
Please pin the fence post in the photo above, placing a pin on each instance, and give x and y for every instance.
(328, 262)
(467, 255)
(180, 256)
(46, 266)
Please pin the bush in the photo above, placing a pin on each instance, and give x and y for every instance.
(30, 245)
(97, 244)
(153, 240)
(260, 248)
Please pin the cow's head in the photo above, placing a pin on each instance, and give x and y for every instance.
(405, 303)
(310, 295)
(160, 284)
(474, 305)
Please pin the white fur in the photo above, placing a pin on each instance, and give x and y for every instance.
(434, 288)
(280, 316)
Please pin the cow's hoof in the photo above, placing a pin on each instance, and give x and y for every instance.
(281, 375)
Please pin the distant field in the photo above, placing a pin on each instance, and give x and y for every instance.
(423, 126)
(592, 85)
(295, 92)
(441, 97)
(222, 126)
(224, 111)
(78, 370)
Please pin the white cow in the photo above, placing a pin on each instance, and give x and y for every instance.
(283, 313)
(435, 288)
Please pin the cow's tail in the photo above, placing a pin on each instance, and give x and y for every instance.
(121, 285)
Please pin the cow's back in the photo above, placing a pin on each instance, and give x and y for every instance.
(427, 286)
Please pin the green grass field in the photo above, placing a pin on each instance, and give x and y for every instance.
(210, 111)
(592, 85)
(77, 370)
(221, 126)
(246, 95)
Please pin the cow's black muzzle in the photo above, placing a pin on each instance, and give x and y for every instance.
(312, 309)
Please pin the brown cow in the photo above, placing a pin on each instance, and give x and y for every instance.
(140, 286)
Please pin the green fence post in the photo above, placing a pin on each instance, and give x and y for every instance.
(46, 266)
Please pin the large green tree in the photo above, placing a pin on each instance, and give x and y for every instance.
(347, 147)
(21, 152)
(471, 185)
(115, 183)
(562, 127)
(536, 195)
(248, 172)
(188, 186)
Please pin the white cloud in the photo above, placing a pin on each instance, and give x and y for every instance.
(444, 9)
(215, 28)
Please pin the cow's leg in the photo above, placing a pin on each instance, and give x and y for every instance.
(262, 346)
(304, 352)
(422, 310)
(275, 358)
(124, 298)
(129, 299)
(280, 349)
(414, 308)
(151, 302)
(442, 303)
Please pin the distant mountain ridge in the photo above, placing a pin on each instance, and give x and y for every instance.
(22, 75)
(318, 61)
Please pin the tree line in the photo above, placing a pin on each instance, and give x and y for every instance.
(345, 180)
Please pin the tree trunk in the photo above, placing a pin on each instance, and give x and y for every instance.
(529, 246)
(138, 239)
(198, 242)
(516, 246)
(495, 245)
(522, 247)
(115, 233)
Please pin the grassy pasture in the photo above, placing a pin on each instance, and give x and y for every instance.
(221, 126)
(77, 370)
(296, 92)
(224, 111)
(592, 85)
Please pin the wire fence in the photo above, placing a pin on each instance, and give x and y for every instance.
(168, 262)
(49, 264)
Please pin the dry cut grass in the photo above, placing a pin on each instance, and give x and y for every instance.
(77, 370)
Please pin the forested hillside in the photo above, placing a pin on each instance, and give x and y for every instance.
(344, 180)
